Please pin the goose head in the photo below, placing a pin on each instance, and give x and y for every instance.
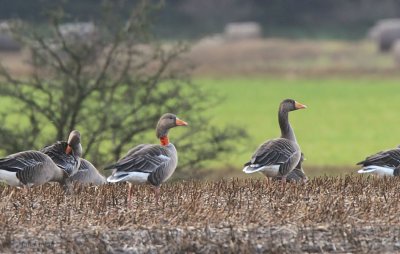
(74, 144)
(166, 122)
(290, 105)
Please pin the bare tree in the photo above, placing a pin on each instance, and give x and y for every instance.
(112, 84)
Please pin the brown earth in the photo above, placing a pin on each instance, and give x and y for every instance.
(327, 214)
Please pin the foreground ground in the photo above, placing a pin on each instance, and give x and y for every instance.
(325, 215)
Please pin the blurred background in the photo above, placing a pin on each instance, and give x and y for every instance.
(111, 68)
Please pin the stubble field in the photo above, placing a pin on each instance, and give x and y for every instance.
(327, 214)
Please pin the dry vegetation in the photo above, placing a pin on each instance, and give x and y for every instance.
(289, 58)
(328, 214)
(219, 58)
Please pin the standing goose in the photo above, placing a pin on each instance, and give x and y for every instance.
(382, 163)
(297, 174)
(278, 157)
(88, 174)
(66, 154)
(29, 168)
(147, 163)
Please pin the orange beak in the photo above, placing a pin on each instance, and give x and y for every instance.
(298, 105)
(68, 150)
(179, 122)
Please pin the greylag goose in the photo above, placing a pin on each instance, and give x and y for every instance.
(66, 154)
(147, 163)
(29, 168)
(279, 156)
(297, 174)
(382, 163)
(87, 174)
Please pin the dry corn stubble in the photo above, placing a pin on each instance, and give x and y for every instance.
(349, 213)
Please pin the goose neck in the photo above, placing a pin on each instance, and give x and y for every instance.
(286, 129)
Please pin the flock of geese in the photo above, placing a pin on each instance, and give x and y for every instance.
(279, 159)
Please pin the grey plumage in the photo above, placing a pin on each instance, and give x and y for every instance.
(297, 174)
(278, 157)
(29, 168)
(389, 158)
(148, 163)
(66, 154)
(155, 162)
(56, 151)
(87, 174)
(382, 163)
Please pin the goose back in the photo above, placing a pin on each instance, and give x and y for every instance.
(29, 168)
(387, 158)
(147, 163)
(276, 157)
(68, 162)
(87, 174)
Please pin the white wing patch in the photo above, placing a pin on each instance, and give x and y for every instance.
(9, 178)
(270, 171)
(133, 177)
(163, 157)
(377, 170)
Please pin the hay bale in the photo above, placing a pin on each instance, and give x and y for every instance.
(242, 30)
(210, 41)
(78, 31)
(385, 33)
(7, 41)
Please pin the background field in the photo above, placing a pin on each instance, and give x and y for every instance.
(351, 90)
(346, 118)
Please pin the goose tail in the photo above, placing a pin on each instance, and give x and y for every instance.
(378, 170)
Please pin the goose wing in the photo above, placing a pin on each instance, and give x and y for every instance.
(26, 165)
(281, 153)
(388, 158)
(145, 160)
(88, 173)
(67, 162)
(23, 160)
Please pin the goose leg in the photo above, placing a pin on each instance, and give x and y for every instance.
(283, 182)
(129, 193)
(25, 190)
(67, 187)
(157, 193)
(266, 180)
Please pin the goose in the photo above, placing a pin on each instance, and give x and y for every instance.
(384, 163)
(148, 163)
(29, 168)
(278, 157)
(87, 174)
(66, 154)
(297, 174)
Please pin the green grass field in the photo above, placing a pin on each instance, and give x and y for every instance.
(346, 120)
